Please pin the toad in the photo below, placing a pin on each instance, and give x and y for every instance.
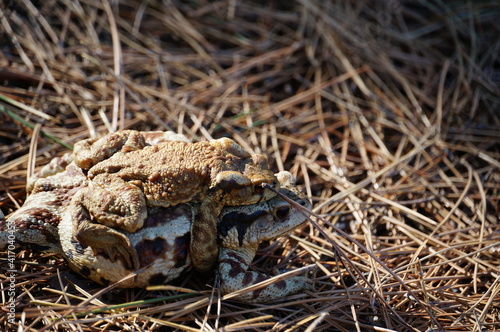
(127, 175)
(163, 244)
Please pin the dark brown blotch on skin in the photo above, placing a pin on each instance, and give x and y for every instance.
(236, 263)
(280, 284)
(257, 292)
(247, 279)
(181, 249)
(236, 257)
(157, 279)
(161, 215)
(85, 271)
(236, 267)
(239, 220)
(229, 185)
(150, 250)
(104, 281)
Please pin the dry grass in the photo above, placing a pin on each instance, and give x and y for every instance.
(386, 111)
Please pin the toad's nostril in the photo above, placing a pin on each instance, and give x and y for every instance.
(302, 202)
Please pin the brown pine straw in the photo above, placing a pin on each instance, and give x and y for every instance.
(387, 113)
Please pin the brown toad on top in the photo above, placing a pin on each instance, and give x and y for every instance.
(127, 175)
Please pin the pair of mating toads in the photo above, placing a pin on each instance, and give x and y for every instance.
(153, 202)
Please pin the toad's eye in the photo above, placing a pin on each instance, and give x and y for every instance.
(283, 212)
(258, 189)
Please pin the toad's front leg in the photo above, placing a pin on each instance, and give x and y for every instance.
(234, 274)
(203, 246)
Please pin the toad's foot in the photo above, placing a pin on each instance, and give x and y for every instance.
(234, 274)
(113, 243)
(89, 152)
